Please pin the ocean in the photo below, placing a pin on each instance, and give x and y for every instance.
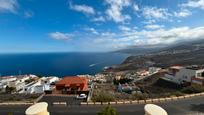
(57, 64)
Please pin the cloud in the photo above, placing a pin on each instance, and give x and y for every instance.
(114, 11)
(183, 13)
(60, 36)
(110, 34)
(136, 7)
(154, 26)
(92, 30)
(99, 19)
(150, 37)
(124, 28)
(171, 35)
(155, 13)
(28, 14)
(194, 4)
(8, 6)
(82, 8)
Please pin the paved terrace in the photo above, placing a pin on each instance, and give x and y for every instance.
(190, 106)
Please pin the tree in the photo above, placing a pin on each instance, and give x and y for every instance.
(108, 111)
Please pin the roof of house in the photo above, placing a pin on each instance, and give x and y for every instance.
(72, 80)
(195, 67)
(176, 67)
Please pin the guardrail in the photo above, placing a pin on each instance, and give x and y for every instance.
(156, 100)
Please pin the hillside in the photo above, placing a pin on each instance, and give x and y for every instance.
(188, 53)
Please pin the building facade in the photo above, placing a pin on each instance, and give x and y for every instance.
(191, 74)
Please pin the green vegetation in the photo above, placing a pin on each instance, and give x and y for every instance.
(122, 81)
(103, 97)
(10, 89)
(177, 93)
(140, 96)
(193, 89)
(108, 111)
(29, 81)
(18, 97)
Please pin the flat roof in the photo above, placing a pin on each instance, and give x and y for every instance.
(176, 67)
(195, 67)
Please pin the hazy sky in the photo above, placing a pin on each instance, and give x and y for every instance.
(97, 25)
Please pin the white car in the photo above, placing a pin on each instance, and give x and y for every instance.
(81, 96)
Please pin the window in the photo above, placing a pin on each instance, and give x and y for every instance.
(199, 74)
(202, 74)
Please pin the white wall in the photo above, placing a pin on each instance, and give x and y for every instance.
(185, 74)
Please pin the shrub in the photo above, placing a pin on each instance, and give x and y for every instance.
(140, 96)
(177, 93)
(103, 97)
(108, 111)
(193, 89)
(122, 81)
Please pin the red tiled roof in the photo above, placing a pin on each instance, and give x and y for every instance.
(72, 80)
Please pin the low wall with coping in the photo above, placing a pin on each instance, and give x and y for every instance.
(17, 103)
(23, 103)
(156, 100)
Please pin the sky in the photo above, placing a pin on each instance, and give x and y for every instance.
(97, 25)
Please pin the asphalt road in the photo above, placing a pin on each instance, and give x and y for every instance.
(192, 106)
(70, 100)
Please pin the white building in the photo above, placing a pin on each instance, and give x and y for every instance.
(7, 79)
(30, 88)
(16, 84)
(49, 80)
(153, 70)
(2, 87)
(181, 75)
(37, 87)
(19, 83)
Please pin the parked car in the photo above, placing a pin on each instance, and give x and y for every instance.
(81, 96)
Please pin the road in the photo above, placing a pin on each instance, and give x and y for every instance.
(70, 100)
(192, 106)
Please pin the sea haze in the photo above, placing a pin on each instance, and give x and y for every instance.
(57, 64)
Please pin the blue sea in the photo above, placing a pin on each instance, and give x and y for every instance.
(57, 64)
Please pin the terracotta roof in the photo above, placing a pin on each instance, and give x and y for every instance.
(72, 80)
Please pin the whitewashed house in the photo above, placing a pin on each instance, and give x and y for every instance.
(50, 80)
(153, 70)
(17, 84)
(7, 79)
(188, 74)
(30, 88)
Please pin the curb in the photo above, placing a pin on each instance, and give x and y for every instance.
(16, 103)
